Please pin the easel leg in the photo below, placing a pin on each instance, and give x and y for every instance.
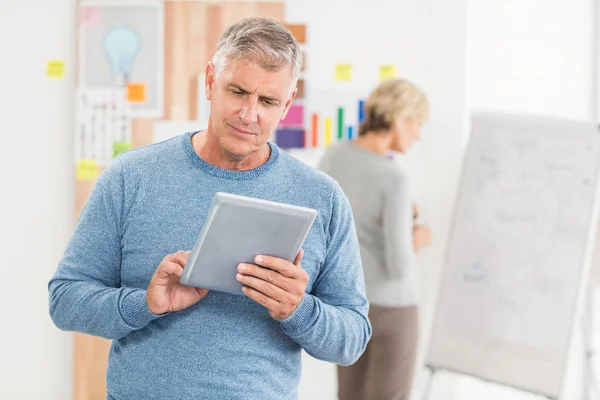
(429, 384)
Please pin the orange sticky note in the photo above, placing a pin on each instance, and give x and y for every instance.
(136, 92)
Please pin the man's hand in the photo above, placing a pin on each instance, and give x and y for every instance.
(276, 284)
(165, 293)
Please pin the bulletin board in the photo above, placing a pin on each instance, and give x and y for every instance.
(121, 44)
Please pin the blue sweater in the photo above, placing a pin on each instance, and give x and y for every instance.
(152, 202)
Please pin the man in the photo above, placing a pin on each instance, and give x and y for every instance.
(119, 276)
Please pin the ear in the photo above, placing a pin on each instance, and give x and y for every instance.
(288, 103)
(209, 79)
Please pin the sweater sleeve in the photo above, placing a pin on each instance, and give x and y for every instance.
(332, 324)
(84, 293)
(398, 227)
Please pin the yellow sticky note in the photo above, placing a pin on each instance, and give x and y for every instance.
(136, 92)
(55, 69)
(343, 72)
(387, 72)
(87, 170)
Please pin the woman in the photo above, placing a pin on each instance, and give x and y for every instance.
(378, 191)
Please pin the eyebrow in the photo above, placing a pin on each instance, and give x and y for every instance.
(241, 89)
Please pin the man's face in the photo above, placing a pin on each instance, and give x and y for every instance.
(247, 104)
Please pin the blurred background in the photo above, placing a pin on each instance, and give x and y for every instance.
(76, 88)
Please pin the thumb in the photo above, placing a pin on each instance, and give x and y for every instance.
(299, 257)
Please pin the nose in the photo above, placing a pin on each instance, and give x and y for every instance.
(249, 112)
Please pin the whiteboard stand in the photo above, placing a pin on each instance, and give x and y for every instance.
(429, 384)
(589, 380)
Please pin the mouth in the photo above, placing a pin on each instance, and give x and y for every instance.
(241, 131)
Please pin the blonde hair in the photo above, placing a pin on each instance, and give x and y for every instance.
(391, 99)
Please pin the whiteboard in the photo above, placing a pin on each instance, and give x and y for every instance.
(518, 250)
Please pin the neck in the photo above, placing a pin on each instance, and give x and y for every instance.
(207, 147)
(376, 142)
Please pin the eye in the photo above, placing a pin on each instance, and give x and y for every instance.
(237, 92)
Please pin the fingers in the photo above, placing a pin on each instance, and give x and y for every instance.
(260, 298)
(268, 275)
(299, 258)
(168, 268)
(173, 264)
(282, 266)
(267, 288)
(180, 257)
(277, 310)
(276, 284)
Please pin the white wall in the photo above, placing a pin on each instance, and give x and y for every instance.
(36, 204)
(532, 56)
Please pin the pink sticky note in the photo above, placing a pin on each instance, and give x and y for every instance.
(294, 117)
(90, 16)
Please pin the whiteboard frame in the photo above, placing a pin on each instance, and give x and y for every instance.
(150, 112)
(583, 279)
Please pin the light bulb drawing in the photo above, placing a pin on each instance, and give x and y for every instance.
(122, 46)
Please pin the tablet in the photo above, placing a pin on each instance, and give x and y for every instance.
(236, 230)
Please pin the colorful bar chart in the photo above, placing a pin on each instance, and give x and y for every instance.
(306, 128)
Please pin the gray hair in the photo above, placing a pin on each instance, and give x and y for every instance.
(262, 40)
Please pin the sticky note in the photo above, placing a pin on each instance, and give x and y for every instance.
(343, 72)
(387, 72)
(294, 117)
(90, 16)
(119, 147)
(136, 92)
(299, 32)
(55, 69)
(87, 170)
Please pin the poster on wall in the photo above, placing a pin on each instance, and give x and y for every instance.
(121, 45)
